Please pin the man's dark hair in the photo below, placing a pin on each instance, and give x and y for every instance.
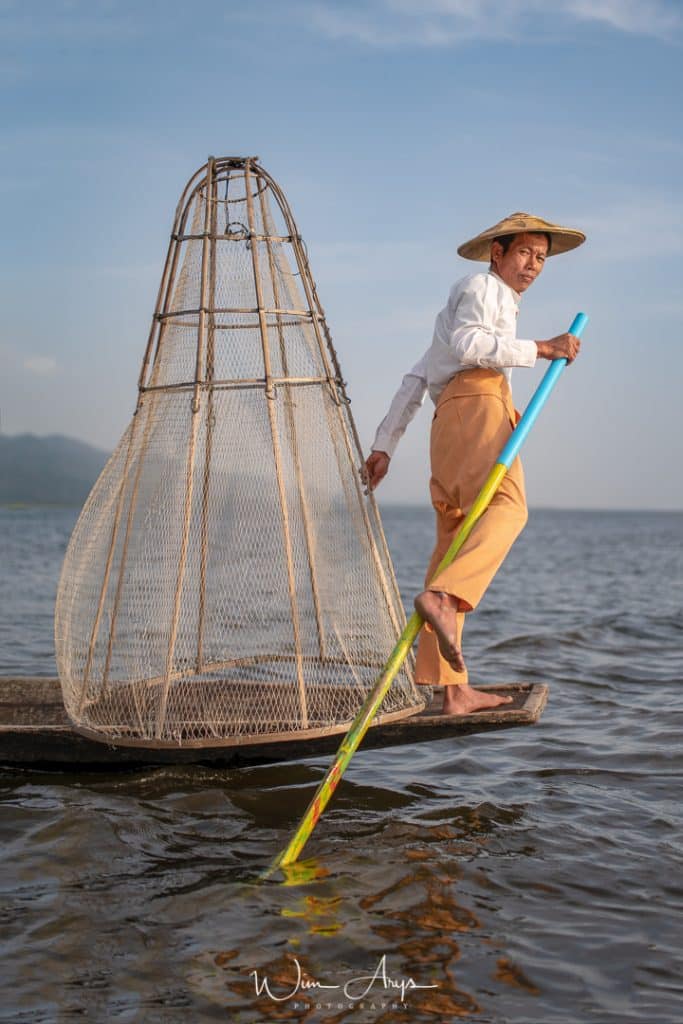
(506, 240)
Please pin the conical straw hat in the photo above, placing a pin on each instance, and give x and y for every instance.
(563, 239)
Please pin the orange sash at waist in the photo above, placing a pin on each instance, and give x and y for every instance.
(479, 381)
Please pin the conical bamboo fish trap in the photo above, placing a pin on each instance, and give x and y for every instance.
(227, 581)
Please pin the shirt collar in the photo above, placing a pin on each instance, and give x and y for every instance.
(516, 296)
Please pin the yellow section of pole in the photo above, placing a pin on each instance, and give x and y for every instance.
(363, 719)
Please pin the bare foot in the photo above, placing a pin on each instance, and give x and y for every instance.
(462, 700)
(439, 610)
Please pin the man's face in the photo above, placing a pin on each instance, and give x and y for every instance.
(523, 262)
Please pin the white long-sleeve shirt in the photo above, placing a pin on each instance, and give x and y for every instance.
(476, 327)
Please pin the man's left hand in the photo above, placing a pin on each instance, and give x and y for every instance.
(375, 469)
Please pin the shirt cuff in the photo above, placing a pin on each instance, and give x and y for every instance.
(384, 443)
(528, 352)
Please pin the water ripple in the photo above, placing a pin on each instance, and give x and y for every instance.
(531, 876)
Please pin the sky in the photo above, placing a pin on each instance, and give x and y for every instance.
(397, 129)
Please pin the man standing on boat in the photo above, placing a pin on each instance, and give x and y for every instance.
(467, 372)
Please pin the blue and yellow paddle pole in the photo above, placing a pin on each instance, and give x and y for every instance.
(362, 721)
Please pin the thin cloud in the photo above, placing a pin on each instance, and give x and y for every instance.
(67, 21)
(616, 232)
(638, 17)
(383, 261)
(390, 24)
(41, 366)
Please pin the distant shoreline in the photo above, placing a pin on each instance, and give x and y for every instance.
(56, 471)
(396, 506)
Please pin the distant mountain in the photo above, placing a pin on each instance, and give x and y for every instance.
(53, 470)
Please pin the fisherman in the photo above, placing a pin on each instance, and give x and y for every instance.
(467, 372)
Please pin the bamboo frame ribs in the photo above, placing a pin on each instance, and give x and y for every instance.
(227, 556)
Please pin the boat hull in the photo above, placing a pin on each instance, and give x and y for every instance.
(35, 731)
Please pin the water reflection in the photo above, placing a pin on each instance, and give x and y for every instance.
(394, 925)
(499, 868)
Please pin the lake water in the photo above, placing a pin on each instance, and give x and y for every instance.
(531, 876)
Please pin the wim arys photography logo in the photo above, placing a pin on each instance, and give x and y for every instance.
(363, 986)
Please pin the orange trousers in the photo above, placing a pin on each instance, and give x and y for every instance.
(474, 418)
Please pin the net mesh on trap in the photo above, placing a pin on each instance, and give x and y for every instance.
(227, 580)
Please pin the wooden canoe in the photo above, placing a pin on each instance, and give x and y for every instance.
(35, 731)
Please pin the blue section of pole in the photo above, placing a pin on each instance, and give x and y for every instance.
(539, 398)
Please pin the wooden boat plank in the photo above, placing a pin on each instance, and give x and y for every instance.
(35, 732)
